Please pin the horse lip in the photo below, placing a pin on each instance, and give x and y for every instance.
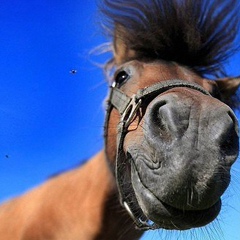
(170, 217)
(187, 219)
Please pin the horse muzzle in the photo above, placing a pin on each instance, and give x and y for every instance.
(178, 160)
(181, 167)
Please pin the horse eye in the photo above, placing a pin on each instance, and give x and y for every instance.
(121, 77)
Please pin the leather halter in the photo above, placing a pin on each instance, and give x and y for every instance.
(128, 108)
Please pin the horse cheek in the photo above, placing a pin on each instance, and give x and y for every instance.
(111, 142)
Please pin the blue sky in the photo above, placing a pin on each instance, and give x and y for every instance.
(50, 119)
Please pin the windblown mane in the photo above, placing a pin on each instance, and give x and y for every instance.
(198, 34)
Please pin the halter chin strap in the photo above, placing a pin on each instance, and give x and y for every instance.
(128, 108)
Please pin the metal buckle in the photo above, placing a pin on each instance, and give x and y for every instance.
(130, 111)
(140, 224)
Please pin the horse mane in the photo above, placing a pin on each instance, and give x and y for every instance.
(198, 34)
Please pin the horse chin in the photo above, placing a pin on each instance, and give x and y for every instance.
(170, 217)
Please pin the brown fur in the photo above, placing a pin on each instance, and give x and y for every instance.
(76, 205)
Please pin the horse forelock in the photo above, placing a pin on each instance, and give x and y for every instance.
(198, 34)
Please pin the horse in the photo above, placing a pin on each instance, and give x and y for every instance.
(171, 135)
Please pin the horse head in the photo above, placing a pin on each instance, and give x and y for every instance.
(171, 135)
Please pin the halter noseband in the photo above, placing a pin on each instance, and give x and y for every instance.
(128, 108)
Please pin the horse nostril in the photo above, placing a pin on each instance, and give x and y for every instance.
(157, 116)
(229, 140)
(170, 117)
(235, 121)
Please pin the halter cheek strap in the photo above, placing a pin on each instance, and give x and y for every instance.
(128, 108)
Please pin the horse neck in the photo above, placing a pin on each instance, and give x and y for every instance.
(114, 222)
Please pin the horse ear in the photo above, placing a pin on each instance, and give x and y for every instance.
(228, 88)
(122, 52)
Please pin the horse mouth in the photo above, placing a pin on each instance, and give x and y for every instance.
(184, 220)
(166, 216)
